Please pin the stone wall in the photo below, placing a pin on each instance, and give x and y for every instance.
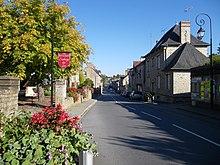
(9, 88)
(181, 82)
(60, 91)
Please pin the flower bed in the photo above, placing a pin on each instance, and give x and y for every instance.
(50, 136)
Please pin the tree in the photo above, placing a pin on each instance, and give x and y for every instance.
(27, 29)
(216, 59)
(105, 79)
(218, 49)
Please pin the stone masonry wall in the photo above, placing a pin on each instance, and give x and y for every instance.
(181, 82)
(9, 88)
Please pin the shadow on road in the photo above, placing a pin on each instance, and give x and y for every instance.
(164, 140)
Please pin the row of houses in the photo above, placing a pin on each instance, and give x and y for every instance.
(165, 71)
(89, 71)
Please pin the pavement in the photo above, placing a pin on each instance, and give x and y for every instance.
(202, 111)
(79, 109)
(82, 108)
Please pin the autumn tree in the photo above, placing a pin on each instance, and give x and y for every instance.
(27, 30)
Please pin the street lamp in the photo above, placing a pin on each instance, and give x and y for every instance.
(52, 103)
(201, 32)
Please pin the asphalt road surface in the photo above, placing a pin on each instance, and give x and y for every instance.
(136, 133)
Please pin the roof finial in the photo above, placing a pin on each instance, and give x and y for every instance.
(187, 9)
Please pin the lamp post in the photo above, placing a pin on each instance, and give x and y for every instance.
(201, 32)
(52, 104)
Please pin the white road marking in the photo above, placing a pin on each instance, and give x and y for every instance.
(87, 108)
(130, 107)
(210, 141)
(152, 115)
(145, 113)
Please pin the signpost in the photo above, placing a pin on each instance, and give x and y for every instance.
(64, 59)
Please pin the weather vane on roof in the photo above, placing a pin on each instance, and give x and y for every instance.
(187, 10)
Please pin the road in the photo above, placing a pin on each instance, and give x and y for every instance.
(136, 133)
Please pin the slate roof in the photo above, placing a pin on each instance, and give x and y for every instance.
(185, 58)
(205, 70)
(172, 38)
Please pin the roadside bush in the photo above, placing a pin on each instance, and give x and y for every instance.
(73, 92)
(83, 92)
(50, 136)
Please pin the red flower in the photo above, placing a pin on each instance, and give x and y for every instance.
(39, 118)
(73, 121)
(63, 117)
(54, 118)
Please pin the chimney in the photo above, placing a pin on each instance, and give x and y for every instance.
(184, 32)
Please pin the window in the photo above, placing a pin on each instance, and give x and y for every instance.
(168, 82)
(158, 62)
(158, 82)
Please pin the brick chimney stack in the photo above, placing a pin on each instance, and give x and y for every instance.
(184, 32)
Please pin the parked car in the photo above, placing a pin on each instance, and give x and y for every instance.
(128, 94)
(31, 91)
(136, 95)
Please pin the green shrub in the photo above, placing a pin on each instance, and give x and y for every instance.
(47, 137)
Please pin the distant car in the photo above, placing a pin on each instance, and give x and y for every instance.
(136, 95)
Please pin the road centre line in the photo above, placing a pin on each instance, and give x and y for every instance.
(130, 107)
(210, 141)
(145, 113)
(135, 109)
(152, 115)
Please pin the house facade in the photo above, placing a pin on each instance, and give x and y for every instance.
(200, 86)
(123, 83)
(94, 74)
(73, 81)
(136, 76)
(167, 66)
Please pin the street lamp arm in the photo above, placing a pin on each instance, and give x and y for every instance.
(200, 22)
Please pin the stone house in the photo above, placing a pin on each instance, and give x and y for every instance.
(124, 83)
(136, 76)
(73, 81)
(200, 86)
(168, 64)
(94, 74)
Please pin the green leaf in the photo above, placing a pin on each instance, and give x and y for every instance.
(15, 162)
(51, 162)
(25, 140)
(38, 153)
(17, 145)
(26, 162)
(56, 143)
(8, 156)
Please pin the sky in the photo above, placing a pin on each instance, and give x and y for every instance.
(121, 31)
